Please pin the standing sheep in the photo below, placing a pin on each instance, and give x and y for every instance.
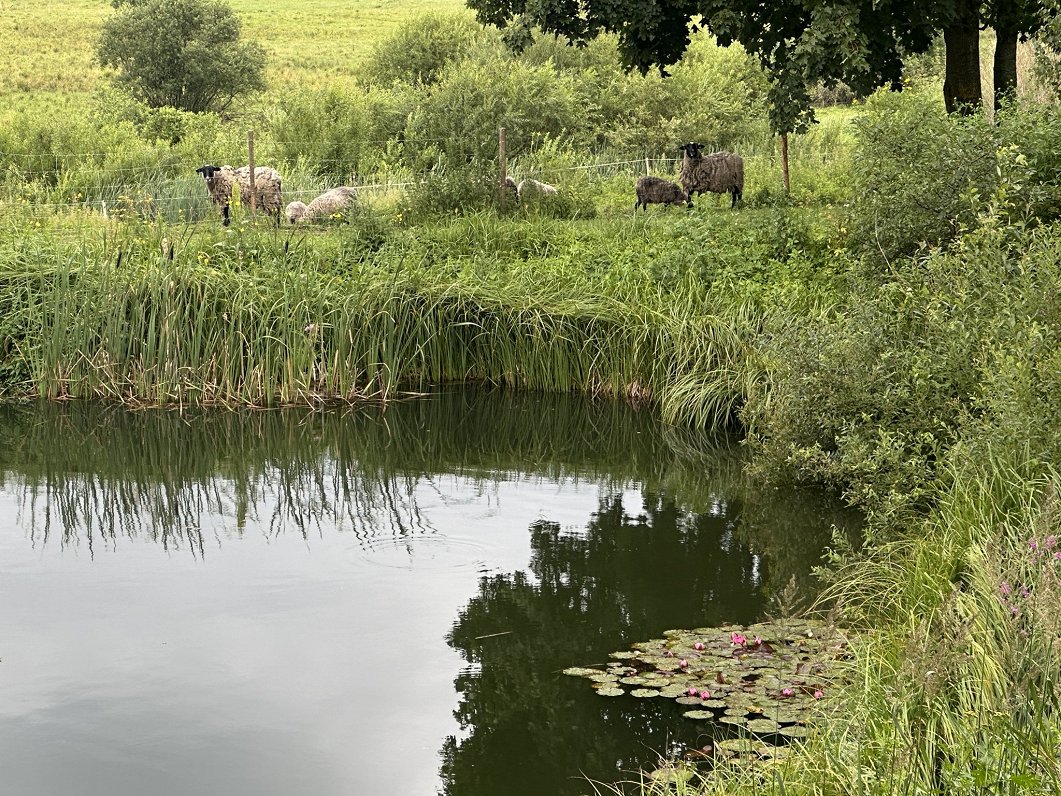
(529, 188)
(658, 191)
(719, 172)
(267, 186)
(324, 206)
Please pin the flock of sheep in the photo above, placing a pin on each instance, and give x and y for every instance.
(719, 172)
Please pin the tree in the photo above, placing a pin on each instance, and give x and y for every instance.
(798, 42)
(1012, 21)
(184, 54)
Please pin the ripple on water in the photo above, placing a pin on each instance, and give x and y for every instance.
(433, 553)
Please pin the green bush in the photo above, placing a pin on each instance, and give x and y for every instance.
(184, 54)
(449, 190)
(418, 51)
(919, 174)
(870, 398)
(337, 133)
(461, 115)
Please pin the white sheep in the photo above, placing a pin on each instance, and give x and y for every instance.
(267, 188)
(529, 188)
(324, 206)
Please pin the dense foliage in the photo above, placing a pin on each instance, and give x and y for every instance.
(184, 54)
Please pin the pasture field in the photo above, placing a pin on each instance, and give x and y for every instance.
(48, 47)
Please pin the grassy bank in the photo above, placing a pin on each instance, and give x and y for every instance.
(656, 309)
(890, 330)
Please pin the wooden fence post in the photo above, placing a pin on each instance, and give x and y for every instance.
(784, 163)
(250, 167)
(502, 166)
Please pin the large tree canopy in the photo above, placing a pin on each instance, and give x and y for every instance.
(798, 42)
(184, 54)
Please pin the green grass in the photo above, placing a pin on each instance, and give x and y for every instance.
(48, 47)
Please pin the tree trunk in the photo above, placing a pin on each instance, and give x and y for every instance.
(961, 87)
(1005, 66)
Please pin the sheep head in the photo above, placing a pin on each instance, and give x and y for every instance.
(296, 211)
(691, 150)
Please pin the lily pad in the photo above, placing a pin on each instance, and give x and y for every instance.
(761, 677)
(579, 671)
(698, 714)
(763, 726)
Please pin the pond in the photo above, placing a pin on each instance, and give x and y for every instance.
(363, 600)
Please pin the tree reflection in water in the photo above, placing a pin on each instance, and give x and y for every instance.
(530, 729)
(704, 546)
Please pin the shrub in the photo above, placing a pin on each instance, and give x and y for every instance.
(919, 174)
(461, 115)
(184, 54)
(337, 133)
(418, 51)
(447, 190)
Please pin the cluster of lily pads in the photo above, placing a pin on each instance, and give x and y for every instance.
(763, 678)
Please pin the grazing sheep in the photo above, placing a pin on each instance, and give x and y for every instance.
(658, 191)
(324, 206)
(529, 188)
(719, 172)
(267, 185)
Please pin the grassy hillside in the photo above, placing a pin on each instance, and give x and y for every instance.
(48, 47)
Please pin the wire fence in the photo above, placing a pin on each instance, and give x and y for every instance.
(33, 179)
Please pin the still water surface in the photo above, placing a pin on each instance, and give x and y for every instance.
(361, 601)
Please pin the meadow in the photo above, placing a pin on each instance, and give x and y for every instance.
(888, 330)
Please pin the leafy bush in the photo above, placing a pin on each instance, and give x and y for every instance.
(919, 174)
(449, 190)
(461, 115)
(337, 133)
(871, 398)
(184, 54)
(418, 51)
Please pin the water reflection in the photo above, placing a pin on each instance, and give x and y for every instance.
(509, 536)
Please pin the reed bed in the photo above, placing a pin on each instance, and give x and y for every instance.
(249, 319)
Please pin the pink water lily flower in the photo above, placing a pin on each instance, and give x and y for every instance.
(698, 645)
(787, 692)
(818, 694)
(758, 642)
(684, 664)
(738, 639)
(705, 695)
(691, 692)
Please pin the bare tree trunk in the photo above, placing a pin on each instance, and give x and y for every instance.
(961, 87)
(1005, 66)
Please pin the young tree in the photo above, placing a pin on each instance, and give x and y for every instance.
(184, 54)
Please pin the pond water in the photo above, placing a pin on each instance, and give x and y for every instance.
(362, 601)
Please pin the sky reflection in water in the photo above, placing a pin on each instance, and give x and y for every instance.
(360, 601)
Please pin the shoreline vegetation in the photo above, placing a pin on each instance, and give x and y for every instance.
(890, 330)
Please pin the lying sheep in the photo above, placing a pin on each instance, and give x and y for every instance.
(324, 206)
(267, 187)
(719, 172)
(658, 191)
(529, 188)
